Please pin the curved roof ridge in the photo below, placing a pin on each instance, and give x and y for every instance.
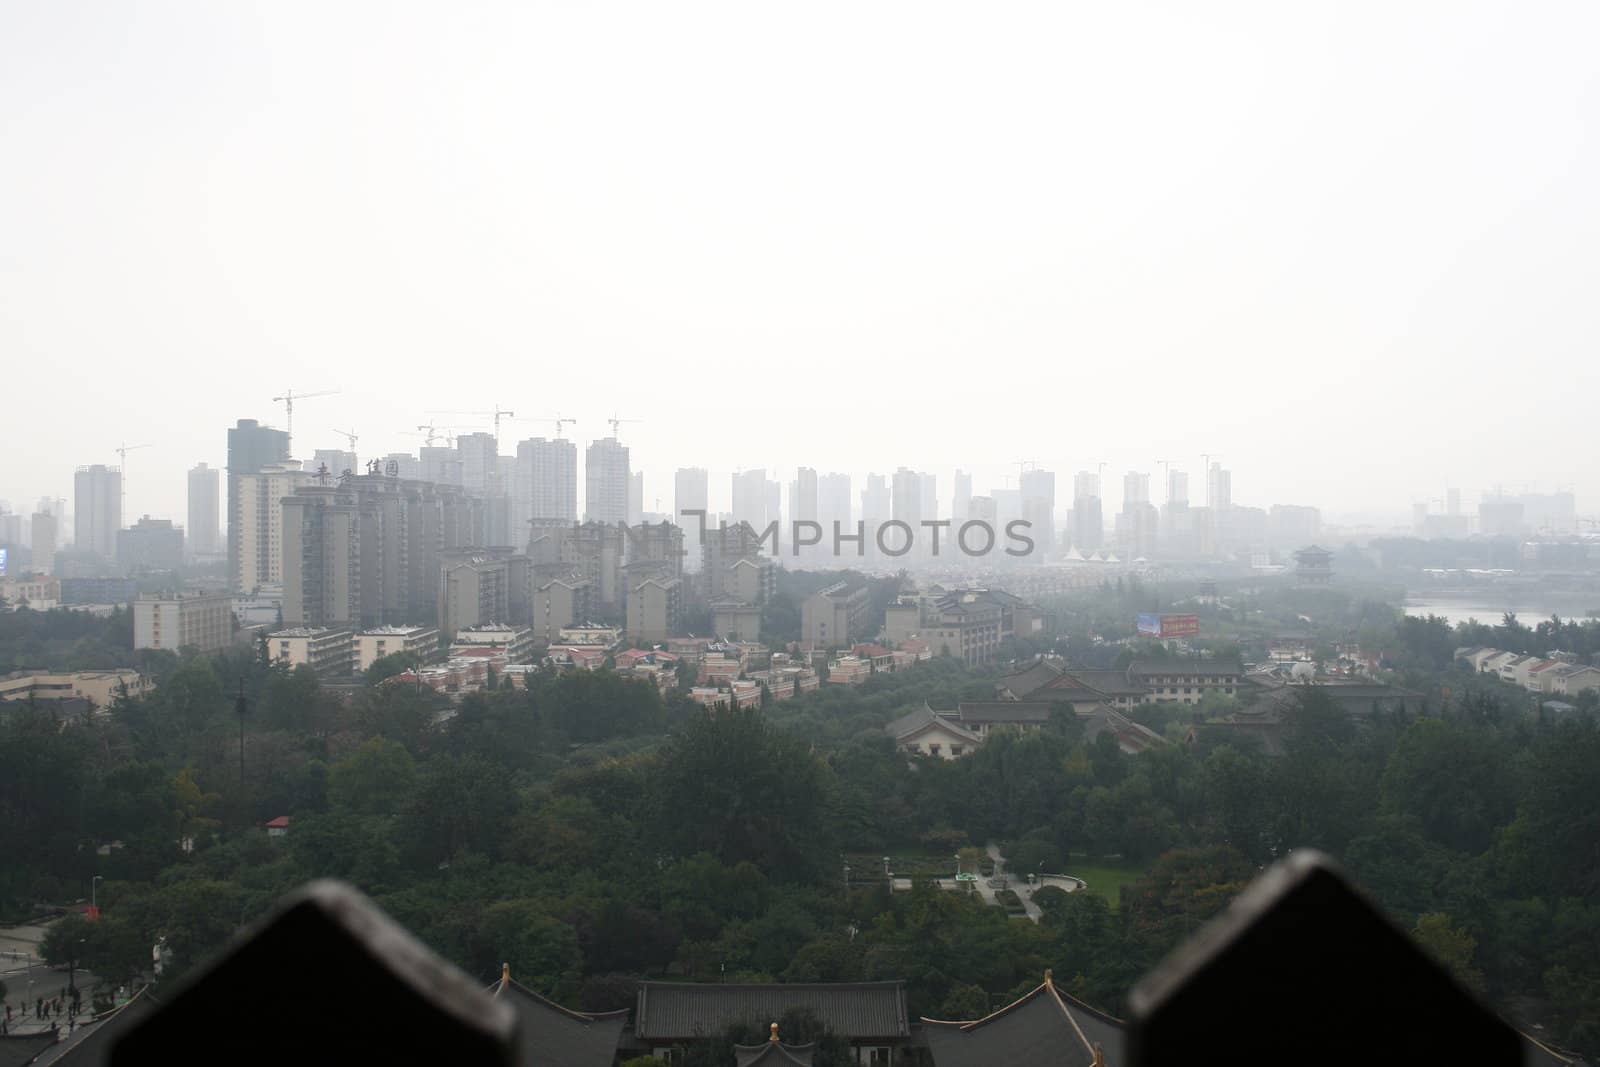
(500, 985)
(1050, 984)
(1091, 1009)
(973, 1024)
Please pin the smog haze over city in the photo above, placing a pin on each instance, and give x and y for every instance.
(732, 535)
(1345, 248)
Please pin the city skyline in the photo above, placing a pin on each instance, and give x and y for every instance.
(1191, 266)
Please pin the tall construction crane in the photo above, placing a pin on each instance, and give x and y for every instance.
(559, 420)
(122, 451)
(287, 400)
(1166, 477)
(431, 433)
(615, 422)
(347, 435)
(497, 414)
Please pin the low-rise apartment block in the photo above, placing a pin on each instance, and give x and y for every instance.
(330, 651)
(515, 641)
(202, 621)
(100, 688)
(372, 645)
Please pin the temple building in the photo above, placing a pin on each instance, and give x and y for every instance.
(1043, 1026)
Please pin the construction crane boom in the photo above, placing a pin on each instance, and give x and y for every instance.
(348, 436)
(122, 451)
(615, 422)
(287, 400)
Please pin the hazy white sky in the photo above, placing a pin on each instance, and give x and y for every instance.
(1351, 248)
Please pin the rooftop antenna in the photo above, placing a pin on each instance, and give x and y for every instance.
(287, 400)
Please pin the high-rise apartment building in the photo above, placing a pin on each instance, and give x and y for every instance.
(255, 530)
(877, 508)
(961, 505)
(150, 545)
(547, 478)
(605, 479)
(1037, 493)
(749, 498)
(97, 509)
(45, 531)
(906, 502)
(1088, 520)
(205, 514)
(251, 447)
(635, 497)
(441, 466)
(1139, 522)
(691, 492)
(368, 550)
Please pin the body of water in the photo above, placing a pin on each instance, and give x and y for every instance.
(1489, 609)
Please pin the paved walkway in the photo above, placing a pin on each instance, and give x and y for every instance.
(1024, 891)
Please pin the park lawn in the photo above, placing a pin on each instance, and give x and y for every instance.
(1106, 875)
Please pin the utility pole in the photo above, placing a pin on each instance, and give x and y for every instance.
(240, 706)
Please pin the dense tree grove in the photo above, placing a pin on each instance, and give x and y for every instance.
(590, 832)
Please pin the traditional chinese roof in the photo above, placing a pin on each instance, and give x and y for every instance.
(559, 1037)
(774, 1053)
(1003, 711)
(1042, 1027)
(1025, 682)
(1211, 667)
(916, 722)
(680, 1011)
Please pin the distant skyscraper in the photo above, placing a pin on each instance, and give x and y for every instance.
(478, 467)
(97, 507)
(547, 478)
(205, 514)
(606, 481)
(440, 465)
(635, 498)
(251, 446)
(691, 492)
(877, 508)
(45, 531)
(749, 498)
(961, 506)
(1138, 523)
(803, 500)
(834, 505)
(1088, 522)
(906, 506)
(1038, 493)
(928, 497)
(1177, 488)
(1219, 488)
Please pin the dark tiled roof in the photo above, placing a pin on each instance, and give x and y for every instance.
(993, 711)
(1185, 666)
(553, 1035)
(913, 723)
(1112, 683)
(1026, 681)
(679, 1011)
(1039, 1028)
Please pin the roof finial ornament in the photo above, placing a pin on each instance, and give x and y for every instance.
(505, 972)
(774, 1037)
(1099, 1056)
(1048, 974)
